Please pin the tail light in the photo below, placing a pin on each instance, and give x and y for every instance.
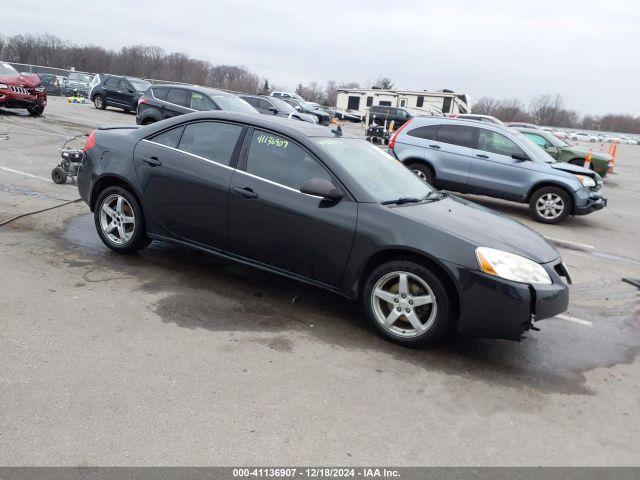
(392, 141)
(91, 141)
(142, 100)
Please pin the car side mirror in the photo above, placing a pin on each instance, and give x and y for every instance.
(322, 188)
(298, 108)
(274, 110)
(522, 158)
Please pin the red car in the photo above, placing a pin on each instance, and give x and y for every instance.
(21, 90)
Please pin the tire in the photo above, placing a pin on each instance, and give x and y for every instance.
(36, 110)
(99, 103)
(545, 202)
(119, 221)
(58, 175)
(411, 325)
(422, 171)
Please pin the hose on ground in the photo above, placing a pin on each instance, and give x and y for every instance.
(38, 211)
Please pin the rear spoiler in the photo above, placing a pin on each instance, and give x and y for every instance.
(118, 127)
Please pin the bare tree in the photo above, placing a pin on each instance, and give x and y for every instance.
(331, 93)
(485, 106)
(384, 83)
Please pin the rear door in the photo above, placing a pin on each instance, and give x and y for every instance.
(272, 222)
(177, 102)
(452, 151)
(184, 174)
(494, 171)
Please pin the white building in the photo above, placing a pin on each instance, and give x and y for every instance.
(421, 102)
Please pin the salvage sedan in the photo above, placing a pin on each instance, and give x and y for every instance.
(321, 207)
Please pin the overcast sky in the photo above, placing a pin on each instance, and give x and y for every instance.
(585, 50)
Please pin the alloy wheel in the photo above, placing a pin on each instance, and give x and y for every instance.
(117, 219)
(550, 206)
(421, 175)
(404, 304)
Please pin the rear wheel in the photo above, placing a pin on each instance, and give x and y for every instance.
(422, 171)
(119, 221)
(407, 303)
(550, 205)
(99, 103)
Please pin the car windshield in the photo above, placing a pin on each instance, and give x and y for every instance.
(381, 175)
(283, 106)
(539, 154)
(232, 103)
(6, 69)
(139, 85)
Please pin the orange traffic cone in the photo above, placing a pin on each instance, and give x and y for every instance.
(587, 160)
(613, 151)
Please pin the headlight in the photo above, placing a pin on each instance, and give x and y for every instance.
(39, 89)
(586, 181)
(511, 266)
(3, 86)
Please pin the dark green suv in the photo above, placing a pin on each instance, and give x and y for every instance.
(563, 152)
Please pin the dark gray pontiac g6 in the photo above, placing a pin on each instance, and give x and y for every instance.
(318, 206)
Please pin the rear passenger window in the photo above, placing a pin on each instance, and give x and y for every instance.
(168, 138)
(253, 101)
(495, 142)
(277, 159)
(178, 96)
(211, 140)
(456, 135)
(160, 92)
(428, 132)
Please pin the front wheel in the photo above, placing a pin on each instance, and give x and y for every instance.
(407, 303)
(36, 110)
(550, 205)
(119, 221)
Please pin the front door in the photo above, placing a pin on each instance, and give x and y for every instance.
(184, 175)
(494, 170)
(272, 222)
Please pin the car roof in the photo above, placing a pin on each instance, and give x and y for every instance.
(196, 88)
(283, 124)
(537, 131)
(437, 120)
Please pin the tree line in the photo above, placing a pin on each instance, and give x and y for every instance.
(152, 62)
(549, 110)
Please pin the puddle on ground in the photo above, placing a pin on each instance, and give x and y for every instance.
(204, 292)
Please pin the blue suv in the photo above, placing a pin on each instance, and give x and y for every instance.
(484, 159)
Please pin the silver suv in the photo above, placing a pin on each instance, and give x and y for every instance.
(471, 157)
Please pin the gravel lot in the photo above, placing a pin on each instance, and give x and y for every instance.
(172, 357)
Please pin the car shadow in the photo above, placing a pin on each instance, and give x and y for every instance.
(200, 291)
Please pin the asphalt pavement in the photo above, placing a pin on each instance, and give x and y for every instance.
(173, 357)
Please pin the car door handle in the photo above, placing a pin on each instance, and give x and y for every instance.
(153, 161)
(482, 155)
(246, 192)
(437, 147)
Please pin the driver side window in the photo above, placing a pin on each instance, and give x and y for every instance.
(281, 161)
(495, 142)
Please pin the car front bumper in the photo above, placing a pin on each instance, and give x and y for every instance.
(21, 100)
(595, 201)
(492, 307)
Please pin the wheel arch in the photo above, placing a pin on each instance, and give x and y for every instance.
(111, 180)
(548, 183)
(390, 254)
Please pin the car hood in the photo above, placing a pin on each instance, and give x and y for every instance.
(319, 112)
(575, 169)
(582, 152)
(28, 80)
(481, 226)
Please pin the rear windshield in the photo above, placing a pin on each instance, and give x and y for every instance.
(232, 103)
(139, 85)
(6, 69)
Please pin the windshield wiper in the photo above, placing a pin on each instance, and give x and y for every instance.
(401, 201)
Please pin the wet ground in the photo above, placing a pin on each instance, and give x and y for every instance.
(174, 357)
